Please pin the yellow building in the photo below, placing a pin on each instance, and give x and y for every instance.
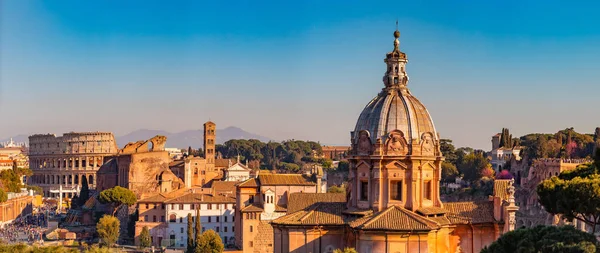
(393, 197)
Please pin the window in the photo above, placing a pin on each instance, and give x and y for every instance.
(251, 228)
(364, 190)
(162, 218)
(203, 172)
(217, 218)
(180, 219)
(232, 228)
(251, 244)
(217, 229)
(145, 217)
(181, 230)
(209, 218)
(181, 207)
(172, 218)
(225, 219)
(251, 200)
(153, 218)
(203, 229)
(396, 190)
(146, 206)
(209, 206)
(154, 206)
(427, 190)
(225, 229)
(232, 218)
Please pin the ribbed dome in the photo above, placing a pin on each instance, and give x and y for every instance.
(395, 110)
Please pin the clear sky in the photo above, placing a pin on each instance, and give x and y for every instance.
(295, 69)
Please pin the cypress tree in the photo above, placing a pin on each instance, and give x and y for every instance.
(198, 231)
(84, 194)
(190, 234)
(502, 139)
(189, 150)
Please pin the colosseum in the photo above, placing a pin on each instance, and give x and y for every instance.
(59, 164)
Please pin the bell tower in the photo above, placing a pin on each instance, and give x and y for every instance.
(209, 142)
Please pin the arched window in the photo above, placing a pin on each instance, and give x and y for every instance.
(76, 179)
(91, 179)
(173, 218)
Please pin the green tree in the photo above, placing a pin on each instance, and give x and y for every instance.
(108, 230)
(145, 240)
(449, 172)
(209, 242)
(345, 250)
(198, 227)
(327, 164)
(547, 239)
(473, 166)
(343, 166)
(3, 196)
(448, 150)
(117, 197)
(336, 189)
(190, 234)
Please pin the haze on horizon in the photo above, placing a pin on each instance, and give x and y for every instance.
(301, 70)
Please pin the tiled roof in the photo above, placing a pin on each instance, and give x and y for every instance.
(432, 210)
(300, 201)
(470, 212)
(109, 167)
(200, 198)
(155, 198)
(224, 162)
(252, 208)
(178, 163)
(224, 187)
(252, 182)
(279, 208)
(284, 179)
(396, 218)
(500, 187)
(317, 214)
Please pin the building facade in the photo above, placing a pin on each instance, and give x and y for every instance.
(262, 199)
(166, 216)
(18, 205)
(393, 196)
(65, 160)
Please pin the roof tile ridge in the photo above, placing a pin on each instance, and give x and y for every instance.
(417, 217)
(310, 212)
(378, 216)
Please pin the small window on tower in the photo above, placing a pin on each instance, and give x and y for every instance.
(364, 190)
(395, 80)
(427, 190)
(396, 190)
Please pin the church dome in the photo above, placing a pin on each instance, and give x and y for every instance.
(395, 109)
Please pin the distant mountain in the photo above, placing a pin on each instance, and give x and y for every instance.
(193, 138)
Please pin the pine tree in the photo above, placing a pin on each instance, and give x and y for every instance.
(190, 234)
(189, 150)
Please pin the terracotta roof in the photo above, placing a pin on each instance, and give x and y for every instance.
(317, 214)
(279, 208)
(155, 198)
(284, 179)
(470, 212)
(432, 210)
(252, 182)
(178, 163)
(252, 208)
(224, 187)
(200, 198)
(500, 187)
(224, 162)
(300, 201)
(396, 218)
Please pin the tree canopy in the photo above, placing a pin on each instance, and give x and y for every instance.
(345, 250)
(209, 242)
(117, 197)
(547, 239)
(290, 156)
(108, 230)
(145, 240)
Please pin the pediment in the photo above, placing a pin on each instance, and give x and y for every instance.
(363, 164)
(428, 165)
(396, 164)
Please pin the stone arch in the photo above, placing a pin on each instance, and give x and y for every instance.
(172, 217)
(70, 179)
(396, 143)
(76, 179)
(364, 145)
(427, 144)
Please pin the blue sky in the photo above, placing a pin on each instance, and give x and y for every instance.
(300, 69)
